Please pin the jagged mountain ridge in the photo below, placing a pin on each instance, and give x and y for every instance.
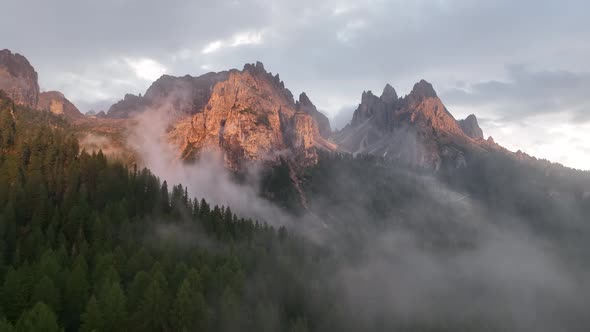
(417, 129)
(19, 80)
(251, 116)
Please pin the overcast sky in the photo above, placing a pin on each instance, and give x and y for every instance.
(521, 66)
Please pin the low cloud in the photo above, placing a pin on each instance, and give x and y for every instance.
(492, 270)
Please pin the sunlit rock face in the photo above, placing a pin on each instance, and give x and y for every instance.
(417, 129)
(56, 103)
(18, 79)
(251, 116)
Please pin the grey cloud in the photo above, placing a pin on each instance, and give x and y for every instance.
(332, 49)
(528, 93)
(386, 41)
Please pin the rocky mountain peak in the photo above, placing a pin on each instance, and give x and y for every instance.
(417, 129)
(368, 97)
(304, 104)
(304, 100)
(422, 90)
(371, 106)
(389, 95)
(255, 68)
(470, 127)
(128, 105)
(18, 79)
(251, 116)
(56, 103)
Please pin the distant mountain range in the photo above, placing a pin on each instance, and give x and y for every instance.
(249, 115)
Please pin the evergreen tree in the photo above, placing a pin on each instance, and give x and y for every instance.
(164, 198)
(14, 294)
(154, 308)
(45, 291)
(75, 295)
(190, 310)
(39, 318)
(113, 307)
(92, 318)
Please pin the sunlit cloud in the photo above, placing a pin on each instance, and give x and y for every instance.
(239, 39)
(212, 47)
(146, 68)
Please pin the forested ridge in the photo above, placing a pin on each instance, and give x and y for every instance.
(90, 245)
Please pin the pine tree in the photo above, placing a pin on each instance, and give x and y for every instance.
(137, 289)
(39, 318)
(113, 306)
(92, 318)
(154, 308)
(75, 295)
(190, 309)
(164, 198)
(228, 319)
(14, 294)
(45, 291)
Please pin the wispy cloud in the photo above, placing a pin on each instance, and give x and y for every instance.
(239, 39)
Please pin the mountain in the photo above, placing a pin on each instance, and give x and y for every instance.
(56, 103)
(251, 116)
(372, 243)
(247, 114)
(417, 129)
(18, 79)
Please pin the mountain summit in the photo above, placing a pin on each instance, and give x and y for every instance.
(251, 116)
(247, 114)
(417, 129)
(18, 79)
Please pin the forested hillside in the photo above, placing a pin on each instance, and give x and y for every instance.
(93, 246)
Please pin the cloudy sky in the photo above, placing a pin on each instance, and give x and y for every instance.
(521, 66)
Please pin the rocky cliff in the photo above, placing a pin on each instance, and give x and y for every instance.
(251, 116)
(56, 103)
(305, 105)
(471, 127)
(18, 79)
(417, 129)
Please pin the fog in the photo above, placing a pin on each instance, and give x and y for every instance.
(494, 271)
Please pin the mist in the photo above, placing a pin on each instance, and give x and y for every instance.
(491, 271)
(207, 177)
